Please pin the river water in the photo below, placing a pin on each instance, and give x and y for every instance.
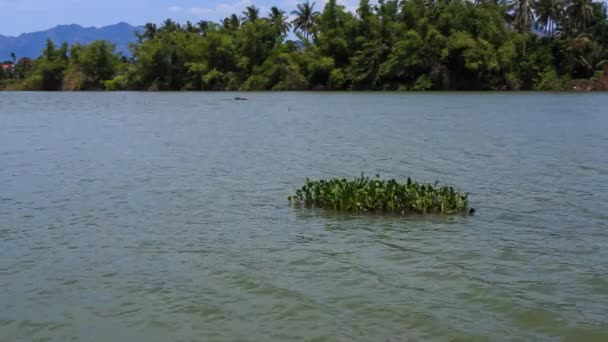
(163, 217)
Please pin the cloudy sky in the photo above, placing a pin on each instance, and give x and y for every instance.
(18, 16)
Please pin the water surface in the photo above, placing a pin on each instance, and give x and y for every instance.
(163, 217)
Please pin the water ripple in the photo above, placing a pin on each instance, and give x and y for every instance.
(162, 217)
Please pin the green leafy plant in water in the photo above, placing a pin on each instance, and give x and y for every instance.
(374, 195)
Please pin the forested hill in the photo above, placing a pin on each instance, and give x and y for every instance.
(394, 45)
(31, 44)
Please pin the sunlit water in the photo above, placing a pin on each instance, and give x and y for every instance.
(163, 217)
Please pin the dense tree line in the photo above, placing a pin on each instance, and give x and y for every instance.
(406, 45)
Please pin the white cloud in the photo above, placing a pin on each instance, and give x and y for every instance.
(237, 6)
(223, 9)
(174, 9)
(201, 10)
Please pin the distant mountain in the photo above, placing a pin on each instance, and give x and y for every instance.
(32, 44)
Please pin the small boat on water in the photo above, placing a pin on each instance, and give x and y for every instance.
(238, 98)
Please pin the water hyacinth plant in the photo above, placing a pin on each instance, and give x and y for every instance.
(375, 195)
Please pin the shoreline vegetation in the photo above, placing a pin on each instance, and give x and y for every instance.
(374, 195)
(392, 45)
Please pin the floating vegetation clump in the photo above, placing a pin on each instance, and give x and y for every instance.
(375, 195)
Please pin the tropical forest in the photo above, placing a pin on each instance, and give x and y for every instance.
(383, 45)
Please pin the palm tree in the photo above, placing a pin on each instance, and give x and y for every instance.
(149, 31)
(203, 27)
(191, 28)
(591, 55)
(13, 57)
(305, 18)
(523, 14)
(279, 20)
(581, 11)
(251, 14)
(523, 17)
(169, 26)
(549, 13)
(232, 23)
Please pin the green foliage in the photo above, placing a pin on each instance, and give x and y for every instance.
(306, 16)
(423, 83)
(255, 82)
(215, 80)
(290, 75)
(549, 80)
(405, 45)
(23, 69)
(117, 83)
(74, 79)
(380, 196)
(336, 79)
(98, 62)
(34, 82)
(319, 71)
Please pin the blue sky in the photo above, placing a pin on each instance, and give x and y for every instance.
(18, 16)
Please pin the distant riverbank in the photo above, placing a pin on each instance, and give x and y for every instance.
(396, 45)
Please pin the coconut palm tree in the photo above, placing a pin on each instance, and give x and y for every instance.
(232, 23)
(523, 14)
(305, 18)
(581, 12)
(523, 17)
(251, 14)
(149, 31)
(279, 20)
(203, 27)
(170, 26)
(591, 55)
(549, 13)
(191, 28)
